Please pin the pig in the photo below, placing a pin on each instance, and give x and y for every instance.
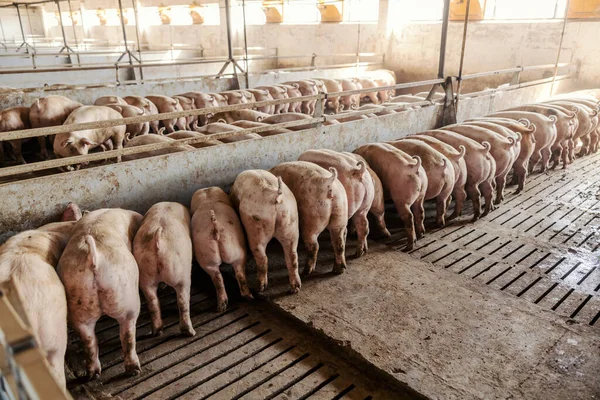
(106, 100)
(14, 119)
(81, 142)
(522, 150)
(201, 101)
(545, 134)
(29, 259)
(585, 116)
(236, 97)
(100, 276)
(367, 83)
(564, 130)
(218, 127)
(385, 78)
(334, 103)
(231, 116)
(218, 237)
(263, 95)
(481, 168)
(377, 209)
(377, 110)
(277, 93)
(292, 90)
(220, 98)
(162, 248)
(251, 124)
(189, 134)
(71, 213)
(50, 111)
(322, 204)
(350, 101)
(127, 111)
(151, 139)
(456, 157)
(439, 171)
(268, 209)
(288, 117)
(166, 104)
(187, 104)
(405, 180)
(148, 107)
(502, 150)
(306, 87)
(357, 183)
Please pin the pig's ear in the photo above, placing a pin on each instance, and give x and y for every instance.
(88, 142)
(226, 97)
(211, 98)
(67, 142)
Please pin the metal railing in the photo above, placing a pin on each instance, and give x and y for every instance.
(318, 119)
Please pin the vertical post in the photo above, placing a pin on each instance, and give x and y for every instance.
(22, 31)
(562, 36)
(358, 48)
(124, 34)
(137, 36)
(462, 50)
(62, 30)
(444, 39)
(74, 32)
(246, 65)
(229, 45)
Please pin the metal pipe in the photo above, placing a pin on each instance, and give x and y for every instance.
(74, 32)
(228, 23)
(246, 64)
(22, 31)
(124, 32)
(137, 36)
(562, 36)
(443, 39)
(62, 29)
(462, 50)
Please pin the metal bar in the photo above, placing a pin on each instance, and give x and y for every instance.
(462, 50)
(62, 30)
(516, 86)
(124, 32)
(22, 30)
(137, 37)
(63, 162)
(562, 36)
(246, 64)
(74, 32)
(53, 130)
(443, 39)
(228, 23)
(489, 73)
(398, 86)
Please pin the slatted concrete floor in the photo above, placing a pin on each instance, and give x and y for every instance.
(542, 246)
(245, 353)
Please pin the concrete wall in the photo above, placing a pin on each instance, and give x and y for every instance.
(138, 184)
(413, 49)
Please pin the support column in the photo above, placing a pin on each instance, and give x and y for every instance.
(562, 36)
(443, 39)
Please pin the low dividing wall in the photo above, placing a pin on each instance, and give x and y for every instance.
(138, 184)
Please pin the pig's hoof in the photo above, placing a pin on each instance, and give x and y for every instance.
(409, 247)
(338, 269)
(262, 287)
(157, 332)
(133, 370)
(93, 375)
(221, 307)
(306, 272)
(359, 253)
(188, 331)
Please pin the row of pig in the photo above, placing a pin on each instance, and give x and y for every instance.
(57, 110)
(104, 256)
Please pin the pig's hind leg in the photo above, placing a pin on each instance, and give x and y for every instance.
(183, 304)
(90, 346)
(149, 291)
(127, 334)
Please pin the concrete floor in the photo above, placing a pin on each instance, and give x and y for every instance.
(455, 319)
